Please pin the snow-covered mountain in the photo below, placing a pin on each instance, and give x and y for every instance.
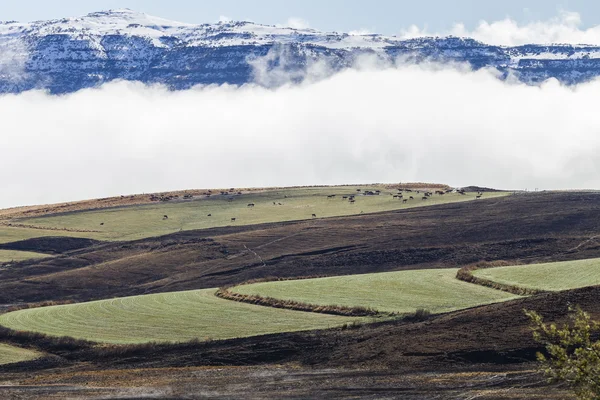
(69, 54)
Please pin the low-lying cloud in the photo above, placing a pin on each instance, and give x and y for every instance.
(566, 28)
(385, 124)
(13, 58)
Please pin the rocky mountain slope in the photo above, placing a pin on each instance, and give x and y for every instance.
(69, 54)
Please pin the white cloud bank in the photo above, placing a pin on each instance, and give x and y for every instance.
(295, 23)
(13, 57)
(411, 123)
(566, 28)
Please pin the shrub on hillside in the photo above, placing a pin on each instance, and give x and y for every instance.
(572, 354)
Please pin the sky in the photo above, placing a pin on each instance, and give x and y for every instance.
(381, 16)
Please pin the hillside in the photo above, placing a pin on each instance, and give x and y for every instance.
(486, 351)
(524, 228)
(69, 54)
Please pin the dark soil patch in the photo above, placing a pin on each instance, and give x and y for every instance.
(50, 245)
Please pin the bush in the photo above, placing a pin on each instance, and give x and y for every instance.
(573, 355)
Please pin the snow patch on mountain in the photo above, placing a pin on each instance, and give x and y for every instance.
(68, 54)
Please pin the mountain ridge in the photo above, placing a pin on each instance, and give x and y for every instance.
(69, 54)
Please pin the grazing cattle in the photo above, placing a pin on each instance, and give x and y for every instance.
(209, 215)
(478, 197)
(395, 196)
(345, 197)
(274, 203)
(101, 223)
(331, 196)
(314, 215)
(358, 190)
(279, 204)
(232, 219)
(352, 201)
(405, 200)
(165, 217)
(424, 198)
(251, 205)
(412, 198)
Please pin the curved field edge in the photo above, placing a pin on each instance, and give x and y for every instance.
(166, 317)
(556, 276)
(401, 292)
(12, 354)
(467, 274)
(226, 293)
(141, 221)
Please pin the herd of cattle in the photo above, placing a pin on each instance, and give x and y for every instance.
(404, 194)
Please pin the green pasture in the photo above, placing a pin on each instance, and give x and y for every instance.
(437, 290)
(10, 234)
(165, 317)
(550, 276)
(13, 255)
(135, 222)
(12, 354)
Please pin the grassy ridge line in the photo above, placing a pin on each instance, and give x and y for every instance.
(141, 221)
(466, 274)
(144, 198)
